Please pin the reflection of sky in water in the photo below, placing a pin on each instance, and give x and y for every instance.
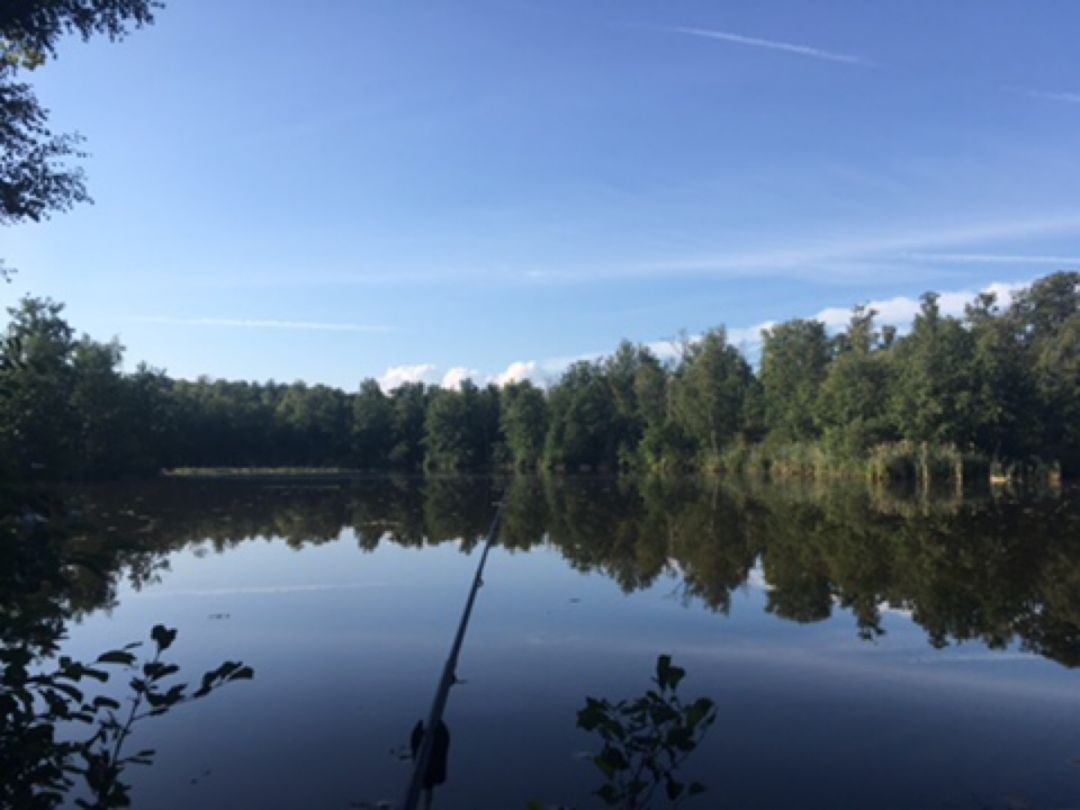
(348, 646)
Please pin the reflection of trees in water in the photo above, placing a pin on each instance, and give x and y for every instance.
(59, 732)
(604, 525)
(989, 569)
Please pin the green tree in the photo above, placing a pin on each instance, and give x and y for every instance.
(524, 423)
(1043, 309)
(621, 370)
(448, 430)
(582, 419)
(852, 409)
(372, 426)
(152, 422)
(485, 418)
(709, 391)
(98, 404)
(1057, 375)
(36, 375)
(1045, 316)
(1007, 419)
(316, 420)
(663, 444)
(794, 359)
(409, 402)
(934, 397)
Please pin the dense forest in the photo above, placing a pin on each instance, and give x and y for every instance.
(998, 389)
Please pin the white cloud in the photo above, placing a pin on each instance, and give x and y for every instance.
(519, 371)
(745, 338)
(898, 311)
(774, 45)
(666, 349)
(901, 310)
(749, 336)
(429, 374)
(459, 374)
(252, 323)
(397, 376)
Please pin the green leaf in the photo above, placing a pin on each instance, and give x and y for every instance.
(675, 674)
(155, 699)
(243, 674)
(97, 674)
(699, 710)
(680, 738)
(156, 670)
(663, 667)
(68, 690)
(609, 794)
(611, 760)
(592, 715)
(163, 636)
(116, 657)
(673, 788)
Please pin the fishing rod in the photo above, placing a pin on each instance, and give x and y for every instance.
(422, 753)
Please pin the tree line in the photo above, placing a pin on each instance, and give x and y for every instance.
(998, 386)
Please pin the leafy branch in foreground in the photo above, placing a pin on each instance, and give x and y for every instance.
(38, 769)
(647, 740)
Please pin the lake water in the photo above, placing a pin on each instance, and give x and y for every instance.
(862, 650)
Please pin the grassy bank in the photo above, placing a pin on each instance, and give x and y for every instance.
(894, 463)
(264, 472)
(903, 462)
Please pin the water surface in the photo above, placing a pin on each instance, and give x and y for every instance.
(862, 650)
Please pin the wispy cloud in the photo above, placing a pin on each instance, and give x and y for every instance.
(1049, 95)
(252, 323)
(360, 278)
(995, 258)
(851, 256)
(843, 258)
(774, 45)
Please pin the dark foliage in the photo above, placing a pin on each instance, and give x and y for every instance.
(36, 178)
(1000, 384)
(647, 740)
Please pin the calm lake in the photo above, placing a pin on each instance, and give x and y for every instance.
(862, 650)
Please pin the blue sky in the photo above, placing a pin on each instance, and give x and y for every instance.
(330, 190)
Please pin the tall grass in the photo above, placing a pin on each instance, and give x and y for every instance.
(905, 462)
